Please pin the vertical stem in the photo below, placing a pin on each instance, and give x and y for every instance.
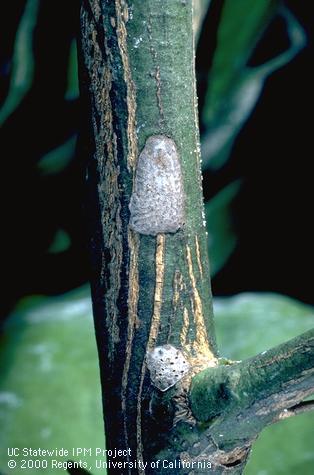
(138, 81)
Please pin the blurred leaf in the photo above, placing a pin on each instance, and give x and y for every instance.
(247, 324)
(72, 91)
(200, 8)
(60, 243)
(22, 61)
(234, 88)
(221, 236)
(285, 448)
(58, 159)
(50, 389)
(221, 131)
(240, 28)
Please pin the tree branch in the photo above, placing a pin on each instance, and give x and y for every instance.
(305, 406)
(150, 273)
(251, 394)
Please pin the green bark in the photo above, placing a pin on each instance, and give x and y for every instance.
(137, 77)
(241, 399)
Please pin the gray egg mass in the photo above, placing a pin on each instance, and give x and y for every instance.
(157, 201)
(167, 365)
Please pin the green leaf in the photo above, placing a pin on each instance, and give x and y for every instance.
(250, 323)
(22, 61)
(72, 91)
(50, 389)
(233, 87)
(221, 236)
(285, 448)
(200, 8)
(61, 242)
(241, 25)
(57, 159)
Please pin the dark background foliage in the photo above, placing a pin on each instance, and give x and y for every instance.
(272, 213)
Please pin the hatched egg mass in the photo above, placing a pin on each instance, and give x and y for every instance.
(167, 365)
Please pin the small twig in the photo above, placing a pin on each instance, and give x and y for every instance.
(300, 408)
(251, 388)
